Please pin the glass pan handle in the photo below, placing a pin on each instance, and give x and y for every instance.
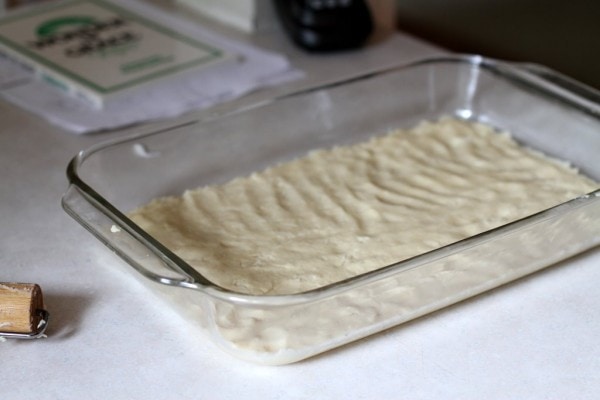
(125, 244)
(565, 82)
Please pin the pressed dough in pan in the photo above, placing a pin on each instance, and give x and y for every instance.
(337, 213)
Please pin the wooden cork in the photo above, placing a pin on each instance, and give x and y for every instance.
(19, 307)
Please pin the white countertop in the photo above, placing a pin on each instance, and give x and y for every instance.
(110, 338)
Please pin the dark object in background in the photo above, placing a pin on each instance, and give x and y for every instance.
(562, 35)
(325, 25)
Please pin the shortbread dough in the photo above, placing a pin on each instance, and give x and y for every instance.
(337, 213)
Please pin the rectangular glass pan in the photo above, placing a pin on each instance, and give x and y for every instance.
(542, 110)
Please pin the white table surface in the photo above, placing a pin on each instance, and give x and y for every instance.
(109, 338)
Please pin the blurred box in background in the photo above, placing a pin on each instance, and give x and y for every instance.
(6, 5)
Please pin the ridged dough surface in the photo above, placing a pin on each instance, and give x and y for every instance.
(340, 212)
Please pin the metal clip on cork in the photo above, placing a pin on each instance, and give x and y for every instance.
(22, 313)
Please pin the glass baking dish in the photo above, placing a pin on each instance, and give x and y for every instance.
(541, 109)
